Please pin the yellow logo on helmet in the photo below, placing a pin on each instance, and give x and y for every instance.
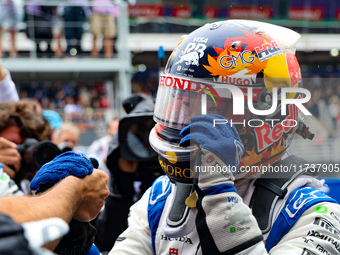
(172, 157)
(174, 169)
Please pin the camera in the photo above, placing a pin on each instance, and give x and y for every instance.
(35, 154)
(133, 138)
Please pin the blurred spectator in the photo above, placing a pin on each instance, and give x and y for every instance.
(145, 83)
(58, 30)
(9, 13)
(71, 106)
(99, 148)
(334, 109)
(103, 22)
(67, 134)
(8, 90)
(39, 29)
(319, 142)
(53, 118)
(75, 14)
(104, 102)
(312, 104)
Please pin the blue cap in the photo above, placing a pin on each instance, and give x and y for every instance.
(53, 118)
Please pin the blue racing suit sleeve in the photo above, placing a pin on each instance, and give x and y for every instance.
(160, 190)
(297, 203)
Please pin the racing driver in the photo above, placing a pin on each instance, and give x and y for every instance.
(228, 106)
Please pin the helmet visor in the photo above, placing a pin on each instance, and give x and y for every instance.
(180, 99)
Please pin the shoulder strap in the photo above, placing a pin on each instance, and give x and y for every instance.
(272, 186)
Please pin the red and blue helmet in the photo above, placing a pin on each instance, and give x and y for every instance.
(201, 76)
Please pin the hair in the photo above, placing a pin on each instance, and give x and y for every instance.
(66, 126)
(31, 102)
(28, 119)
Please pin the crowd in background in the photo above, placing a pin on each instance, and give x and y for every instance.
(66, 22)
(325, 101)
(84, 103)
(67, 96)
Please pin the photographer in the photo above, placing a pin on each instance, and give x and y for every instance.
(133, 167)
(18, 122)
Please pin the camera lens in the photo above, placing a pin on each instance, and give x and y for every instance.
(45, 152)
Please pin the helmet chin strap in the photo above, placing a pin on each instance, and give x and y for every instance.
(178, 222)
(303, 131)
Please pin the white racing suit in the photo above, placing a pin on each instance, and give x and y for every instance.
(7, 185)
(304, 221)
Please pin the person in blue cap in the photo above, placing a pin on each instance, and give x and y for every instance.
(53, 118)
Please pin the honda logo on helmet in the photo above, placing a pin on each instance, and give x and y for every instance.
(238, 95)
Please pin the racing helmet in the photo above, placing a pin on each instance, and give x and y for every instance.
(237, 69)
